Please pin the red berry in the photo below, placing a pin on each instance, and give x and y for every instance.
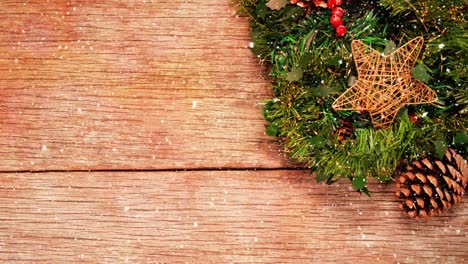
(338, 2)
(337, 11)
(331, 4)
(336, 21)
(340, 31)
(414, 118)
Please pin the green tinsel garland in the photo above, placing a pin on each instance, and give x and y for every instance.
(311, 67)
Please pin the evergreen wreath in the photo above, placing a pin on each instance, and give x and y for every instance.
(307, 46)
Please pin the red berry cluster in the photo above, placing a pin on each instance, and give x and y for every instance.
(336, 16)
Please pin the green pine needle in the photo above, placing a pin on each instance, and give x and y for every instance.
(310, 67)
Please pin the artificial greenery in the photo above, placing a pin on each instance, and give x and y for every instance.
(311, 66)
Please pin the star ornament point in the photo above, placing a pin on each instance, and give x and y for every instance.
(385, 83)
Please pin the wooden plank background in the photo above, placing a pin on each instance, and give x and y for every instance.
(131, 132)
(129, 85)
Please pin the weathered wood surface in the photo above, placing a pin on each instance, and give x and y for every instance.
(129, 85)
(213, 217)
(162, 86)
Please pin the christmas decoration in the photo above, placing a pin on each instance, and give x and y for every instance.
(336, 21)
(308, 4)
(341, 30)
(385, 83)
(414, 118)
(345, 130)
(336, 14)
(333, 3)
(431, 186)
(345, 99)
(337, 11)
(301, 3)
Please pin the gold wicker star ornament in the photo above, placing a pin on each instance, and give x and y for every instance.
(385, 83)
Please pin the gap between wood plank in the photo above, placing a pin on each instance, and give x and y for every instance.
(159, 170)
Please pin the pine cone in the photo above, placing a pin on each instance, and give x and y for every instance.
(345, 130)
(429, 187)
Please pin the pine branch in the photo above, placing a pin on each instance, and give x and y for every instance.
(310, 67)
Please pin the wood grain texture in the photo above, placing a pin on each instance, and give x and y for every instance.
(214, 217)
(129, 85)
(165, 86)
